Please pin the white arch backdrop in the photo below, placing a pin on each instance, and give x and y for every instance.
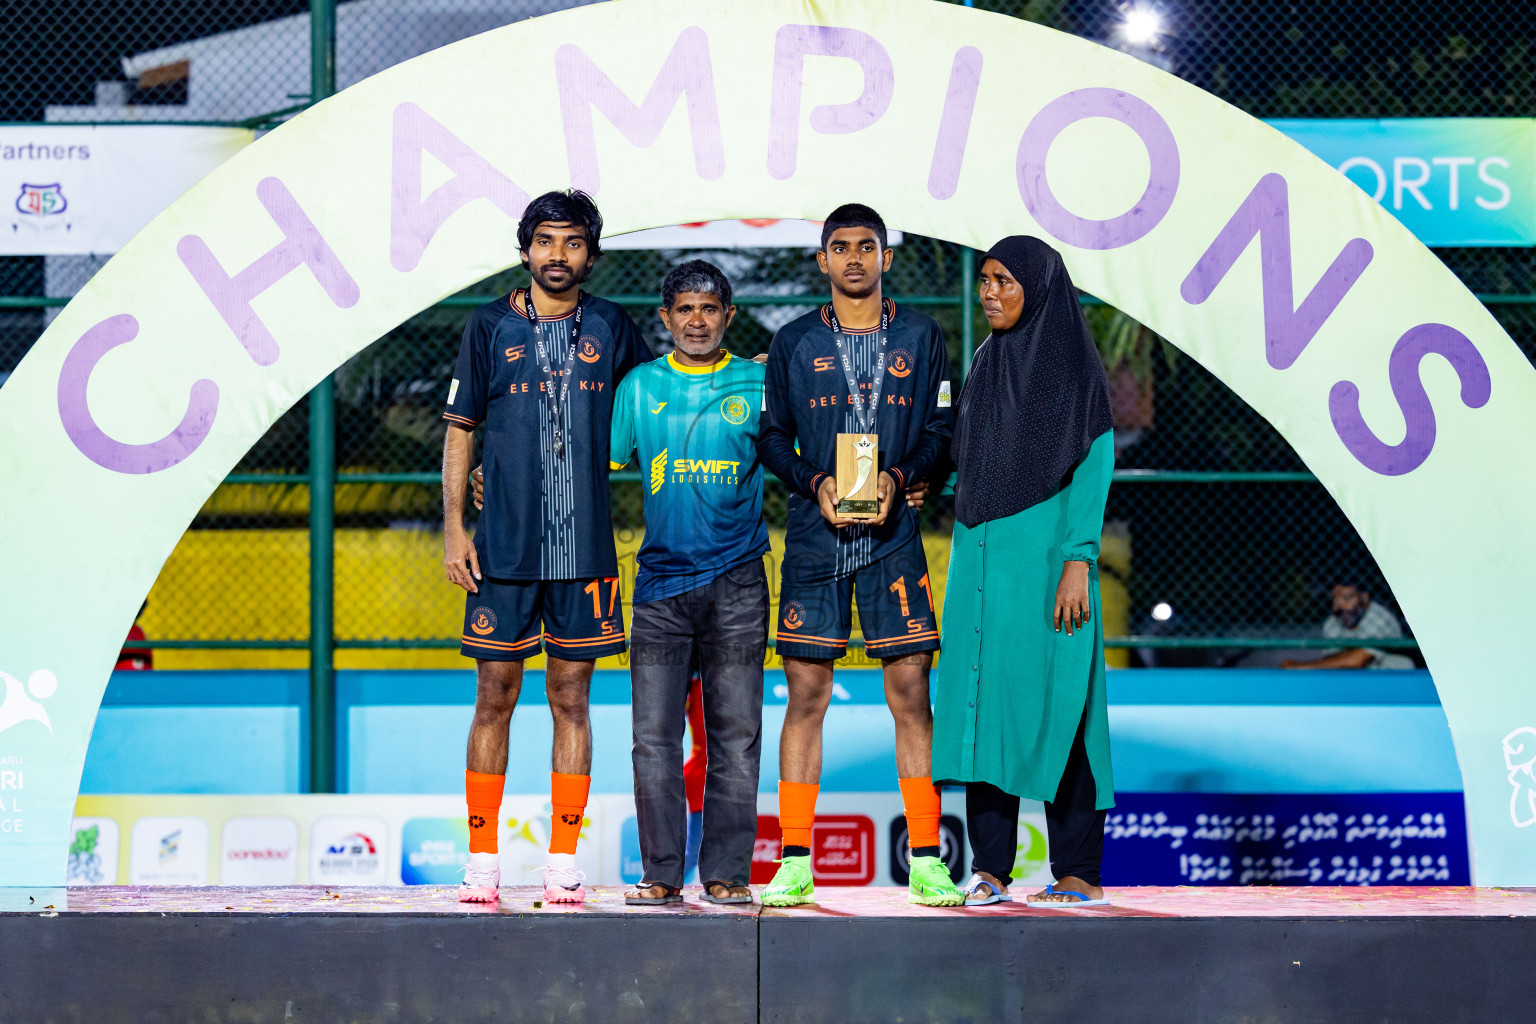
(1253, 256)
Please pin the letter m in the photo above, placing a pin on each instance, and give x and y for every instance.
(687, 74)
(1287, 327)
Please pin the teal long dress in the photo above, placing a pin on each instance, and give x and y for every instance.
(1011, 690)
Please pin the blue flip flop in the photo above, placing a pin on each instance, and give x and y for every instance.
(1082, 901)
(973, 897)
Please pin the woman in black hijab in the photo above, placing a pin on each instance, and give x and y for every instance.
(1020, 709)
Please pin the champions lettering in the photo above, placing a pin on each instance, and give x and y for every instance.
(686, 79)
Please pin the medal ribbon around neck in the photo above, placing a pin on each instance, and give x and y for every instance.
(863, 416)
(569, 370)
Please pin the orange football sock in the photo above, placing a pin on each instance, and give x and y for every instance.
(921, 800)
(483, 794)
(568, 800)
(797, 811)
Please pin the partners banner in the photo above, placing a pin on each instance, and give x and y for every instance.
(1450, 180)
(83, 189)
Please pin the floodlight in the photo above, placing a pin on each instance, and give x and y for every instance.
(1141, 26)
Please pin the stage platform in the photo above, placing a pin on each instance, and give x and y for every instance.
(1185, 955)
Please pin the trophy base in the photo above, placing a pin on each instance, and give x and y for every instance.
(854, 509)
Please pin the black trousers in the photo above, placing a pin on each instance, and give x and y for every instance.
(1074, 829)
(723, 628)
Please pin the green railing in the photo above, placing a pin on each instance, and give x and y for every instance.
(322, 643)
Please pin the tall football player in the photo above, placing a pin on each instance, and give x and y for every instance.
(859, 364)
(538, 369)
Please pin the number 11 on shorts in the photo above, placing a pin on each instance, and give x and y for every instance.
(899, 588)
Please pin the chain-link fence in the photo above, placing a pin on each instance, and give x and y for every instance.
(1218, 542)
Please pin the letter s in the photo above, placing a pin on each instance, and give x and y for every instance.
(1403, 373)
(1488, 179)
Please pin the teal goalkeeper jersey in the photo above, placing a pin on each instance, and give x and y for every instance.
(695, 430)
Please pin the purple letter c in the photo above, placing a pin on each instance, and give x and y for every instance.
(93, 442)
(1131, 111)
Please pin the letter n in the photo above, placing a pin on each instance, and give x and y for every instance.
(302, 246)
(687, 74)
(1287, 327)
(414, 221)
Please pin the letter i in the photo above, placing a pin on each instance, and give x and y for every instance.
(955, 123)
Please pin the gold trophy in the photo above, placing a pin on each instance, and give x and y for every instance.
(858, 478)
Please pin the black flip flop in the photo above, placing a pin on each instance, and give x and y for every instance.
(672, 896)
(707, 897)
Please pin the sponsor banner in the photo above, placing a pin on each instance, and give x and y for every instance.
(345, 839)
(260, 851)
(324, 839)
(433, 850)
(951, 849)
(730, 234)
(93, 852)
(169, 850)
(1286, 839)
(81, 189)
(859, 839)
(1451, 181)
(349, 849)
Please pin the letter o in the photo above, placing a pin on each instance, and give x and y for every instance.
(1136, 114)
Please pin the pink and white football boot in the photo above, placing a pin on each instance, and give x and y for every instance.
(482, 879)
(562, 879)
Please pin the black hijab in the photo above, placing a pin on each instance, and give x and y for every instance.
(1036, 398)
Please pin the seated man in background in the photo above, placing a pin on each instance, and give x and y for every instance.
(1355, 619)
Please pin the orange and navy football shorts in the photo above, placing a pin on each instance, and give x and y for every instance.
(895, 602)
(576, 620)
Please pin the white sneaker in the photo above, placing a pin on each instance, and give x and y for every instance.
(482, 879)
(562, 879)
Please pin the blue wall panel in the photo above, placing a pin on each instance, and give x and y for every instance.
(1173, 730)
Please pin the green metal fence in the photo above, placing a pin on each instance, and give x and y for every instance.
(1231, 543)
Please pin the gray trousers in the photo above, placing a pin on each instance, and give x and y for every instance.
(722, 627)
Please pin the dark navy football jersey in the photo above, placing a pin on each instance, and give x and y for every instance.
(806, 404)
(546, 516)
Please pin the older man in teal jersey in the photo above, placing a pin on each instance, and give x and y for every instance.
(701, 595)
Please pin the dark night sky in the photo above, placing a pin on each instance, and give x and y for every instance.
(54, 52)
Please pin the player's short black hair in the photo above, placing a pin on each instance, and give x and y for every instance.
(853, 215)
(571, 206)
(695, 276)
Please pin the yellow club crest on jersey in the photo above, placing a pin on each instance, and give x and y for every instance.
(735, 410)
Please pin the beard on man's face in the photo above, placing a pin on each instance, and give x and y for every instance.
(564, 277)
(697, 346)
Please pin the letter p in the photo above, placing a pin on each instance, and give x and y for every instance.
(791, 46)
